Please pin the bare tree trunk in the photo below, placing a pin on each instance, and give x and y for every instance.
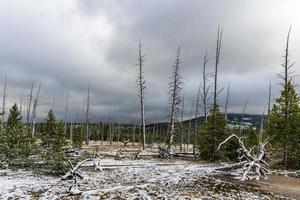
(269, 106)
(34, 109)
(196, 120)
(87, 119)
(175, 97)
(153, 133)
(102, 133)
(118, 132)
(205, 88)
(4, 102)
(227, 100)
(181, 121)
(71, 132)
(133, 134)
(66, 112)
(261, 130)
(141, 94)
(21, 106)
(29, 106)
(218, 51)
(190, 125)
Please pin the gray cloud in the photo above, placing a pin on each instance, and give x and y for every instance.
(64, 45)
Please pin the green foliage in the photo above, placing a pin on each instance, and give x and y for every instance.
(49, 130)
(15, 142)
(59, 139)
(284, 127)
(211, 134)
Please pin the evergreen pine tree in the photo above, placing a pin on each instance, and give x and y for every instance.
(14, 142)
(49, 130)
(211, 134)
(284, 131)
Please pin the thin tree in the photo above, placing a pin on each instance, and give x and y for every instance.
(175, 97)
(181, 122)
(227, 100)
(218, 51)
(141, 91)
(269, 106)
(190, 124)
(4, 100)
(196, 119)
(205, 87)
(21, 105)
(34, 109)
(87, 116)
(29, 105)
(66, 113)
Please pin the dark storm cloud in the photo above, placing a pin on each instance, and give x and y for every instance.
(66, 44)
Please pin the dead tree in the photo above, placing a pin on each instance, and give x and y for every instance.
(87, 117)
(174, 98)
(66, 112)
(153, 133)
(205, 88)
(21, 105)
(73, 172)
(141, 91)
(227, 100)
(29, 105)
(133, 134)
(34, 109)
(102, 132)
(218, 51)
(190, 125)
(71, 131)
(196, 120)
(4, 100)
(261, 129)
(181, 122)
(252, 163)
(269, 106)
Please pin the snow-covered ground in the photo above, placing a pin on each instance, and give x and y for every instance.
(126, 179)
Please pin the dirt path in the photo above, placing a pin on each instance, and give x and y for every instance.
(280, 184)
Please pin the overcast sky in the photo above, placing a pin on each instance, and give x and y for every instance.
(65, 44)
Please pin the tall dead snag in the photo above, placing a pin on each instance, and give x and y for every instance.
(251, 162)
(218, 51)
(205, 87)
(227, 100)
(141, 91)
(4, 100)
(34, 109)
(87, 116)
(66, 112)
(181, 122)
(29, 106)
(190, 125)
(196, 120)
(21, 105)
(174, 98)
(269, 106)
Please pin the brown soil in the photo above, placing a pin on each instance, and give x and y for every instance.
(280, 184)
